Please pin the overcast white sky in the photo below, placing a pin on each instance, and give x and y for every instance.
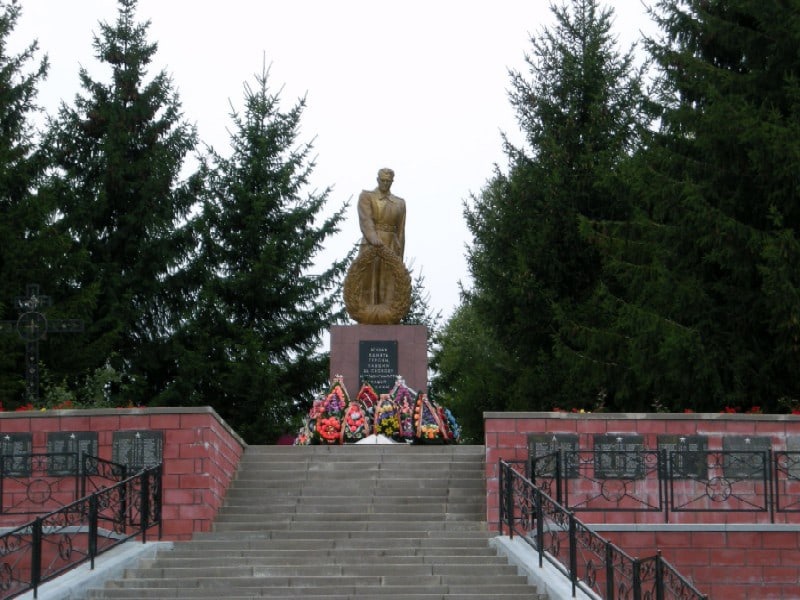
(420, 86)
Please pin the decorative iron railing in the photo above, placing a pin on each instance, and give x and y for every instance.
(35, 483)
(78, 532)
(591, 563)
(763, 482)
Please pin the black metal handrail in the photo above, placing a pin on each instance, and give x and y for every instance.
(46, 481)
(758, 481)
(591, 563)
(78, 532)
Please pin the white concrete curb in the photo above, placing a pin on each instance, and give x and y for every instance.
(74, 584)
(547, 579)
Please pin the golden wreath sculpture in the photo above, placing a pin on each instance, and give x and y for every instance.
(396, 307)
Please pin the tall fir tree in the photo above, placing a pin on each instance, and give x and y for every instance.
(704, 295)
(581, 110)
(117, 155)
(28, 247)
(252, 344)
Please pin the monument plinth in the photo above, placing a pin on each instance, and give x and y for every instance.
(379, 353)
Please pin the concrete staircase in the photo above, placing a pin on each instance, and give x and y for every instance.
(344, 522)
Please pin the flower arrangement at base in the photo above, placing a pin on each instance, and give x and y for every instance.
(304, 436)
(386, 420)
(403, 398)
(455, 429)
(428, 424)
(355, 424)
(329, 429)
(367, 396)
(337, 399)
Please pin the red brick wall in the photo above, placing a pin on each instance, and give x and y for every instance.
(735, 562)
(734, 565)
(200, 455)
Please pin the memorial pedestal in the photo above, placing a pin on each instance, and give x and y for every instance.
(380, 352)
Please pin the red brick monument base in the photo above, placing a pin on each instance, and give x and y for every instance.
(382, 351)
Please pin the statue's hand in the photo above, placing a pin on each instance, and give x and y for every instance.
(375, 241)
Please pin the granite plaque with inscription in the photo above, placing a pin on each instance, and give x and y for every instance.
(543, 444)
(792, 456)
(15, 454)
(137, 449)
(745, 457)
(377, 364)
(619, 456)
(686, 455)
(68, 449)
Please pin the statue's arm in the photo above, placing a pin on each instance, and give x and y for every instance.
(366, 220)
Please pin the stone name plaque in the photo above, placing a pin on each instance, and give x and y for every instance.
(377, 364)
(686, 455)
(15, 454)
(791, 460)
(618, 456)
(745, 457)
(68, 449)
(542, 444)
(137, 449)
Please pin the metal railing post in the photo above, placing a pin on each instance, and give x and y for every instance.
(609, 570)
(509, 491)
(501, 490)
(659, 576)
(144, 503)
(637, 579)
(573, 555)
(559, 458)
(92, 528)
(539, 525)
(36, 555)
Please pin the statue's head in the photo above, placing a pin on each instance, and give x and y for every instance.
(385, 178)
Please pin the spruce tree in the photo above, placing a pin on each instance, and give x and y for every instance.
(709, 302)
(27, 248)
(580, 108)
(252, 343)
(117, 155)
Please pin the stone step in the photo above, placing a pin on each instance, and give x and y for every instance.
(323, 584)
(340, 523)
(336, 527)
(308, 549)
(466, 572)
(362, 506)
(302, 557)
(384, 593)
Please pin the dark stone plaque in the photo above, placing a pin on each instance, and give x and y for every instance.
(619, 456)
(542, 444)
(686, 455)
(745, 457)
(792, 461)
(68, 449)
(377, 364)
(15, 454)
(137, 449)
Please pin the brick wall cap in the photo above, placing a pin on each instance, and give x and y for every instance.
(606, 416)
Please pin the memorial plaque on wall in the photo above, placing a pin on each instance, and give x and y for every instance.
(15, 454)
(686, 455)
(68, 449)
(619, 456)
(793, 456)
(377, 364)
(137, 449)
(542, 444)
(745, 457)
